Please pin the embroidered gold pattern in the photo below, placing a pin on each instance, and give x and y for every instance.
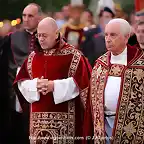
(104, 58)
(74, 63)
(60, 126)
(130, 122)
(49, 52)
(29, 64)
(116, 70)
(140, 61)
(83, 95)
(53, 127)
(69, 50)
(97, 87)
(66, 51)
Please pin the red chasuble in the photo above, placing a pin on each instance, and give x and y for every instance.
(129, 121)
(50, 122)
(73, 34)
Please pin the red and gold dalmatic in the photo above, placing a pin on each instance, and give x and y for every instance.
(61, 123)
(129, 122)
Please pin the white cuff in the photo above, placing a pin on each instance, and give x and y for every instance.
(65, 90)
(28, 88)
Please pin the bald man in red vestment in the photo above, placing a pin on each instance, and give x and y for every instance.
(54, 82)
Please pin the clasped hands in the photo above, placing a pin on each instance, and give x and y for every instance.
(44, 86)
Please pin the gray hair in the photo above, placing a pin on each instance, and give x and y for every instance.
(124, 25)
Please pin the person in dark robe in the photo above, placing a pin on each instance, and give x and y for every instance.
(94, 44)
(23, 42)
(87, 19)
(5, 111)
(95, 48)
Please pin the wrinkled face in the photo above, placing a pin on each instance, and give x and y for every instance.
(140, 34)
(46, 36)
(115, 40)
(30, 17)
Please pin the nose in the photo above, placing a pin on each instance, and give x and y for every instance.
(41, 39)
(107, 39)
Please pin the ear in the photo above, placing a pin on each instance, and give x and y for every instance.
(57, 34)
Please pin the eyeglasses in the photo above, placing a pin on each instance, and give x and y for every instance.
(43, 35)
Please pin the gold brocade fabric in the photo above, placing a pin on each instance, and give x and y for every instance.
(129, 121)
(116, 70)
(53, 127)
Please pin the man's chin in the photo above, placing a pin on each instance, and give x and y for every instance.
(26, 27)
(44, 47)
(109, 48)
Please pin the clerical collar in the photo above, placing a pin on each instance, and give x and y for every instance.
(30, 32)
(119, 59)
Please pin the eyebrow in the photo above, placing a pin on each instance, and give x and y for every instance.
(27, 14)
(111, 33)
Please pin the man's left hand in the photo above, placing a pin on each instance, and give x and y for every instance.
(45, 86)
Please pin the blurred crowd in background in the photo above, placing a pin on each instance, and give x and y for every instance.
(82, 13)
(82, 27)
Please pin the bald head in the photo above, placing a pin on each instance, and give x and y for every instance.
(47, 32)
(49, 24)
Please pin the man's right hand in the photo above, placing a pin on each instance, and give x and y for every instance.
(44, 86)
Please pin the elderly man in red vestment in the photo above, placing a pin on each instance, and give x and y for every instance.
(55, 83)
(115, 106)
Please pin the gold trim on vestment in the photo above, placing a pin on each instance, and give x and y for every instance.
(58, 125)
(116, 70)
(83, 95)
(129, 124)
(29, 64)
(129, 121)
(97, 91)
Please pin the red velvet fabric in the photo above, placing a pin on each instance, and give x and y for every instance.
(54, 67)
